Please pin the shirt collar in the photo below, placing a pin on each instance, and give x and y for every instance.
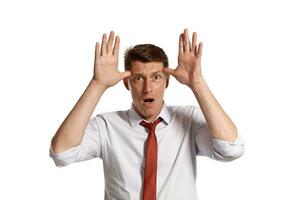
(134, 118)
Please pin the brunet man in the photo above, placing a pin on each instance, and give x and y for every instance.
(149, 151)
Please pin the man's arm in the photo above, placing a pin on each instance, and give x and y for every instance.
(188, 72)
(106, 74)
(220, 125)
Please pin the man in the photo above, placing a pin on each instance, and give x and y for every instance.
(149, 151)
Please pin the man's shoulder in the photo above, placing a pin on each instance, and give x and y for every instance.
(182, 108)
(187, 113)
(112, 115)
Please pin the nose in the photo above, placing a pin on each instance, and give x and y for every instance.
(147, 86)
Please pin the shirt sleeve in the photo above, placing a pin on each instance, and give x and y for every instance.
(89, 148)
(216, 149)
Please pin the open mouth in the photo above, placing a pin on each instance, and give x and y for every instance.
(148, 100)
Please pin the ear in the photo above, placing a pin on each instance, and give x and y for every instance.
(125, 81)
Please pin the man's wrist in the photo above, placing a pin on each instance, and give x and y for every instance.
(96, 84)
(198, 84)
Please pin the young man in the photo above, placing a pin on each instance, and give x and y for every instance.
(149, 151)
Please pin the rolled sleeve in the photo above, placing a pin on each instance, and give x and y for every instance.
(90, 146)
(228, 151)
(64, 158)
(211, 147)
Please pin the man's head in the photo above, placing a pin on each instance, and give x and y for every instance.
(147, 82)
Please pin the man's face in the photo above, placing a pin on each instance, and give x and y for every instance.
(147, 84)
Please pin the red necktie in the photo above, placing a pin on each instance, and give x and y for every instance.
(149, 192)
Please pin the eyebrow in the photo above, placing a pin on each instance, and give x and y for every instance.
(136, 74)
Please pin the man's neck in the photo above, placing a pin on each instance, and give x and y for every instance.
(149, 119)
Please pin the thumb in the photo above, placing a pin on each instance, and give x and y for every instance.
(169, 71)
(125, 74)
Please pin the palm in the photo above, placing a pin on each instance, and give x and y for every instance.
(106, 70)
(188, 71)
(188, 67)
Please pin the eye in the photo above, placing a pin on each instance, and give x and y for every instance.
(157, 77)
(137, 78)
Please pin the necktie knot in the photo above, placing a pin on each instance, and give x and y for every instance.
(150, 126)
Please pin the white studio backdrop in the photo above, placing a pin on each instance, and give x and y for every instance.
(250, 61)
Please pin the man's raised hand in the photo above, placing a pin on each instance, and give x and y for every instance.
(188, 71)
(106, 72)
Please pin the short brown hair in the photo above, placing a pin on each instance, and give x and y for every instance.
(145, 53)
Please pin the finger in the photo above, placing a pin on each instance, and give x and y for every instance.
(200, 46)
(169, 71)
(194, 43)
(186, 40)
(103, 45)
(180, 44)
(125, 74)
(116, 46)
(97, 50)
(110, 42)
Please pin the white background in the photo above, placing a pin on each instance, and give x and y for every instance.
(250, 62)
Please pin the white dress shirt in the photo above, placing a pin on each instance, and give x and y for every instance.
(119, 140)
